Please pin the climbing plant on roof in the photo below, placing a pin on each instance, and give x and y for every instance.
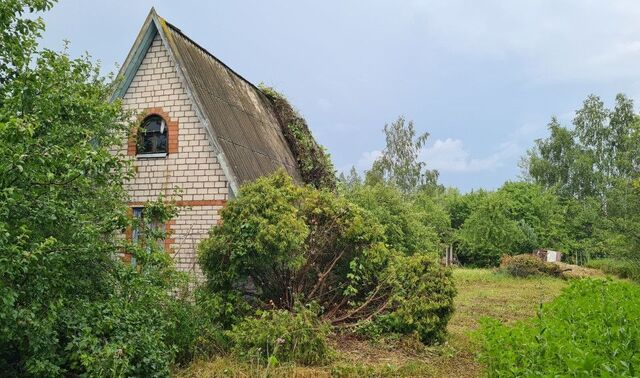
(313, 160)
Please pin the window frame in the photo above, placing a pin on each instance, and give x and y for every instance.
(137, 212)
(141, 135)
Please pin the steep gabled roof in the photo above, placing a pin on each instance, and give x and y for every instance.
(238, 118)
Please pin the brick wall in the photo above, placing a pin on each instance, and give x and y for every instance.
(191, 164)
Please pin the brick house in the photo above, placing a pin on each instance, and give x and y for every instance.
(206, 130)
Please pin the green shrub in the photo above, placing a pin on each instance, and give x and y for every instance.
(141, 330)
(282, 336)
(526, 265)
(617, 267)
(422, 299)
(279, 244)
(591, 330)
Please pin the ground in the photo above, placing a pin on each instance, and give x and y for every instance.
(481, 292)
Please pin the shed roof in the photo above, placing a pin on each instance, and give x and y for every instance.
(239, 118)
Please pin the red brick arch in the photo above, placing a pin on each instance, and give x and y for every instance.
(172, 129)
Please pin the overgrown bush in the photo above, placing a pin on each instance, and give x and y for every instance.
(422, 299)
(282, 336)
(526, 265)
(280, 243)
(591, 330)
(618, 267)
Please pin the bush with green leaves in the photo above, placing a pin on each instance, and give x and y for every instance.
(591, 330)
(527, 265)
(422, 299)
(70, 306)
(282, 336)
(618, 267)
(280, 244)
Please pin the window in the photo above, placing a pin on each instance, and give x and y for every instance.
(152, 140)
(136, 236)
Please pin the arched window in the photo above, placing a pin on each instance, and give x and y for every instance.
(153, 136)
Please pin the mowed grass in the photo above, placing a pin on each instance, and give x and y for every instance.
(481, 292)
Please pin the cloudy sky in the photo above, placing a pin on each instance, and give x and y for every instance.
(482, 77)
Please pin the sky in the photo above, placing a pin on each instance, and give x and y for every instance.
(483, 78)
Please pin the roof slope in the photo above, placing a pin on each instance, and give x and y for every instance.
(239, 117)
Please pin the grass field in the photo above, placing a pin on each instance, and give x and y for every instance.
(481, 292)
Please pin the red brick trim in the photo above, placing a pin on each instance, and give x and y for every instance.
(172, 129)
(168, 240)
(212, 202)
(128, 235)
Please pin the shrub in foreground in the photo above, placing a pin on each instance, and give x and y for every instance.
(422, 301)
(591, 329)
(280, 244)
(526, 265)
(282, 336)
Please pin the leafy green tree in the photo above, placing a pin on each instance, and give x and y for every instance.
(399, 163)
(593, 167)
(586, 161)
(488, 233)
(69, 306)
(461, 206)
(18, 35)
(539, 212)
(431, 210)
(408, 228)
(351, 180)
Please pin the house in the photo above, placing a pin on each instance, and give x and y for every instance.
(205, 130)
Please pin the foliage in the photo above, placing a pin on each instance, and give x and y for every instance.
(618, 267)
(591, 329)
(586, 161)
(517, 218)
(276, 336)
(406, 226)
(423, 299)
(431, 210)
(488, 233)
(313, 159)
(526, 265)
(280, 243)
(69, 305)
(399, 165)
(594, 168)
(18, 36)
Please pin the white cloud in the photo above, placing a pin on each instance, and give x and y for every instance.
(450, 155)
(555, 40)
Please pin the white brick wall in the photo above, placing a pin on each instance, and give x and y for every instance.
(194, 168)
(192, 226)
